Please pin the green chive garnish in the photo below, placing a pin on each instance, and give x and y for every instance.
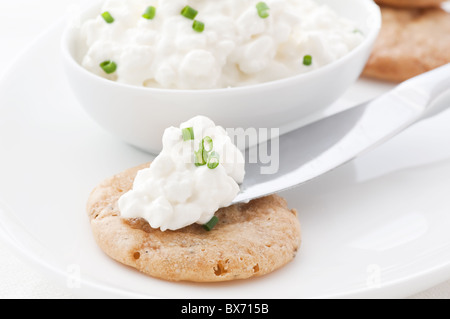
(307, 60)
(149, 13)
(213, 160)
(188, 133)
(205, 154)
(107, 17)
(198, 158)
(210, 225)
(207, 144)
(263, 10)
(198, 26)
(109, 67)
(189, 12)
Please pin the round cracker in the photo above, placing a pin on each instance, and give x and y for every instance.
(411, 3)
(411, 42)
(250, 239)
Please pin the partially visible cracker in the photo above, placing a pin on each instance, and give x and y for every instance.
(411, 3)
(411, 42)
(250, 239)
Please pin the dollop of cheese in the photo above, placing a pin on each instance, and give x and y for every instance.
(173, 192)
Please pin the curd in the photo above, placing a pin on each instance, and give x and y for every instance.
(221, 43)
(176, 190)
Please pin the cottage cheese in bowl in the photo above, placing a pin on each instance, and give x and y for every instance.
(204, 44)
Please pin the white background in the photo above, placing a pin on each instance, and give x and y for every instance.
(21, 21)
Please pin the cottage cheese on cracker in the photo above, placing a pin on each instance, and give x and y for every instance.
(174, 192)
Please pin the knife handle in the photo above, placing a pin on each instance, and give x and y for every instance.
(431, 85)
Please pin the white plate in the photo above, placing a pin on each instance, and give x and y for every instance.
(377, 227)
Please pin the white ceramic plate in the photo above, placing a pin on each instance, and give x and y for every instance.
(377, 227)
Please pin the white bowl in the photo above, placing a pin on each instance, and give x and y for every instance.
(139, 115)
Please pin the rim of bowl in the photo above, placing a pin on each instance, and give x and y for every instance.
(369, 40)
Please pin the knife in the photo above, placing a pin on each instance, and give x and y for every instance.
(322, 146)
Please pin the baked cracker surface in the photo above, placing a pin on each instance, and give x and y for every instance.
(250, 239)
(411, 3)
(411, 42)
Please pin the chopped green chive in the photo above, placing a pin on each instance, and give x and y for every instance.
(188, 133)
(213, 160)
(210, 225)
(205, 154)
(307, 60)
(263, 10)
(198, 158)
(207, 144)
(198, 26)
(149, 13)
(109, 67)
(107, 17)
(189, 12)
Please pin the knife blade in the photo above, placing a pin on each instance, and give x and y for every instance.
(315, 149)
